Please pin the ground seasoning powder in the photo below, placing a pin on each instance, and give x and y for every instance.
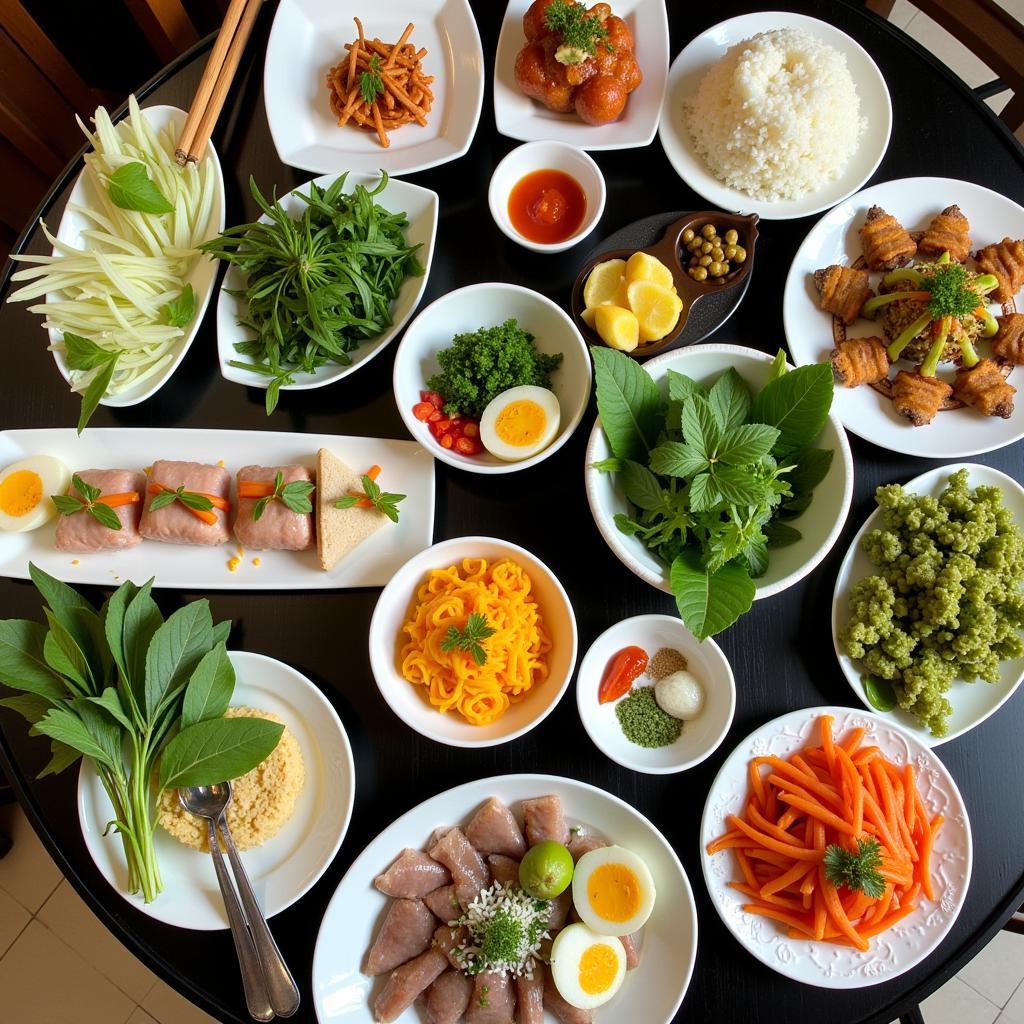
(666, 660)
(643, 722)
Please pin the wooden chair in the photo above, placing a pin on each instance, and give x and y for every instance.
(989, 32)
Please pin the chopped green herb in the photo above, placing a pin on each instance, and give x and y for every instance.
(180, 312)
(580, 30)
(385, 501)
(857, 871)
(371, 84)
(642, 720)
(470, 638)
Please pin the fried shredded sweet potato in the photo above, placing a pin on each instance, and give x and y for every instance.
(949, 231)
(983, 388)
(1008, 342)
(1005, 260)
(860, 361)
(887, 243)
(918, 398)
(843, 291)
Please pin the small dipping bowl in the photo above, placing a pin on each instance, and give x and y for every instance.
(539, 156)
(700, 737)
(671, 250)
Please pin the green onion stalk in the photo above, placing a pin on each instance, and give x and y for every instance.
(931, 362)
(907, 335)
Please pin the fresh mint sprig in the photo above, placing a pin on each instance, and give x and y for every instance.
(294, 496)
(68, 505)
(82, 354)
(131, 188)
(385, 501)
(188, 498)
(857, 871)
(470, 638)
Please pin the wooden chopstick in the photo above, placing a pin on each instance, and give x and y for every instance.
(217, 78)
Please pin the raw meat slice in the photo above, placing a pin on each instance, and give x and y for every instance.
(448, 998)
(174, 523)
(560, 907)
(446, 939)
(413, 874)
(581, 844)
(405, 984)
(443, 903)
(563, 1011)
(545, 820)
(493, 999)
(530, 997)
(81, 533)
(278, 528)
(503, 869)
(469, 872)
(406, 932)
(631, 944)
(494, 830)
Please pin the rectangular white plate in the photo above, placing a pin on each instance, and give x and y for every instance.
(407, 469)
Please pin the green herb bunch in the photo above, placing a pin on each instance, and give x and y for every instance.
(580, 29)
(857, 871)
(318, 285)
(294, 496)
(470, 638)
(142, 697)
(382, 501)
(69, 505)
(711, 472)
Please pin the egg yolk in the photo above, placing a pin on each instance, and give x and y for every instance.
(614, 892)
(520, 423)
(20, 492)
(598, 968)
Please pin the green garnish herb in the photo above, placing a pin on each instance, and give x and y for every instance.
(131, 188)
(68, 505)
(880, 693)
(371, 84)
(82, 354)
(142, 697)
(580, 29)
(180, 312)
(506, 927)
(385, 501)
(643, 722)
(483, 1001)
(188, 498)
(470, 638)
(317, 285)
(294, 496)
(951, 295)
(857, 871)
(480, 365)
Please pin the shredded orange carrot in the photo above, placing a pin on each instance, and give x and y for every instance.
(255, 488)
(207, 516)
(124, 498)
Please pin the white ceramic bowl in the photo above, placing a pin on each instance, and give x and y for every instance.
(539, 156)
(408, 701)
(485, 305)
(700, 737)
(820, 525)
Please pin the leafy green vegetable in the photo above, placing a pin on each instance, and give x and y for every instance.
(132, 692)
(82, 354)
(470, 638)
(190, 499)
(385, 501)
(68, 505)
(131, 188)
(857, 871)
(319, 285)
(710, 471)
(180, 312)
(880, 693)
(294, 496)
(479, 365)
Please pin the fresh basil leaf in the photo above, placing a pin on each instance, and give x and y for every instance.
(113, 622)
(611, 465)
(273, 388)
(30, 706)
(221, 633)
(65, 657)
(61, 599)
(730, 400)
(737, 487)
(628, 526)
(64, 725)
(105, 515)
(111, 703)
(209, 689)
(217, 750)
(82, 354)
(799, 504)
(755, 552)
(778, 367)
(811, 466)
(640, 486)
(174, 652)
(675, 458)
(797, 404)
(388, 505)
(131, 188)
(103, 728)
(95, 391)
(703, 493)
(346, 501)
(700, 429)
(180, 312)
(87, 491)
(681, 387)
(161, 500)
(627, 402)
(709, 602)
(192, 500)
(23, 665)
(142, 618)
(260, 507)
(746, 443)
(62, 756)
(66, 505)
(295, 496)
(371, 490)
(780, 535)
(77, 616)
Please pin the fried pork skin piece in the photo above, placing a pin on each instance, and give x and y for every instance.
(81, 534)
(448, 998)
(545, 819)
(982, 387)
(918, 398)
(1008, 343)
(1005, 260)
(949, 231)
(407, 931)
(405, 985)
(843, 291)
(494, 829)
(174, 523)
(887, 243)
(279, 528)
(412, 874)
(860, 361)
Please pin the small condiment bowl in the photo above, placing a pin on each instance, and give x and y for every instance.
(408, 700)
(700, 737)
(539, 156)
(672, 252)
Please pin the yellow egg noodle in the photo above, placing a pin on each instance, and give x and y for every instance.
(516, 653)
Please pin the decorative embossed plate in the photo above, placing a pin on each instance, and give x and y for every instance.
(893, 952)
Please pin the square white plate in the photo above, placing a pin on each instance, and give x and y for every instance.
(519, 117)
(407, 469)
(308, 38)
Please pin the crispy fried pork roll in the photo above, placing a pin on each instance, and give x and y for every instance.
(982, 387)
(918, 398)
(949, 232)
(1008, 343)
(887, 243)
(843, 291)
(1005, 260)
(860, 361)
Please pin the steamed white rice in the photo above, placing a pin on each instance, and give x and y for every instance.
(778, 116)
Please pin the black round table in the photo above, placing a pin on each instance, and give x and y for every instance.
(781, 651)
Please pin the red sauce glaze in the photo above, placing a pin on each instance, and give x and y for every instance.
(547, 206)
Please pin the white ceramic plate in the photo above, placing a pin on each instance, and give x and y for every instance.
(820, 525)
(202, 278)
(308, 38)
(822, 963)
(407, 469)
(486, 305)
(286, 867)
(420, 206)
(700, 737)
(520, 117)
(955, 433)
(408, 701)
(972, 702)
(697, 58)
(652, 993)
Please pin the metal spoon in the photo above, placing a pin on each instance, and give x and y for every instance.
(279, 984)
(201, 801)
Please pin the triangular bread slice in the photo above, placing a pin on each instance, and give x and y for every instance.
(339, 530)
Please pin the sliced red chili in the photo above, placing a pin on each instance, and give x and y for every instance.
(624, 668)
(467, 446)
(423, 410)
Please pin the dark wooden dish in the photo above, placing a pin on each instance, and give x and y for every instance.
(714, 302)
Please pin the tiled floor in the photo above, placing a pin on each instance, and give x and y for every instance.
(47, 932)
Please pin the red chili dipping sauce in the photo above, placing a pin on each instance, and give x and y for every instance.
(547, 206)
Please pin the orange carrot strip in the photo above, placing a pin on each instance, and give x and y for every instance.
(827, 743)
(207, 516)
(909, 788)
(856, 790)
(773, 901)
(820, 914)
(852, 742)
(759, 853)
(122, 498)
(771, 843)
(748, 872)
(756, 785)
(373, 472)
(835, 910)
(809, 788)
(255, 488)
(794, 874)
(816, 810)
(761, 822)
(923, 872)
(888, 806)
(876, 816)
(780, 915)
(901, 817)
(872, 930)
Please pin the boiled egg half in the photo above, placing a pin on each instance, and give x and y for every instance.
(25, 489)
(587, 968)
(612, 891)
(520, 422)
